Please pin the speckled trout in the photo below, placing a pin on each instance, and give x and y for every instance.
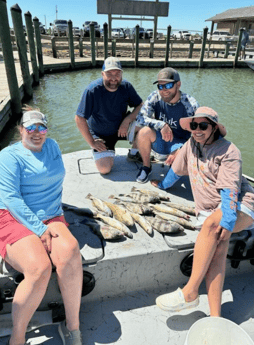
(144, 224)
(134, 207)
(185, 223)
(139, 197)
(187, 209)
(100, 205)
(150, 192)
(105, 231)
(115, 224)
(164, 227)
(121, 214)
(166, 209)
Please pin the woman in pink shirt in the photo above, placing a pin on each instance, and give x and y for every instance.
(224, 204)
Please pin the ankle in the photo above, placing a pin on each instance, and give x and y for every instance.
(189, 294)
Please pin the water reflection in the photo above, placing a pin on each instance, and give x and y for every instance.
(228, 91)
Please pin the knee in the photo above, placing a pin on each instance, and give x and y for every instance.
(72, 253)
(145, 134)
(105, 170)
(39, 271)
(210, 225)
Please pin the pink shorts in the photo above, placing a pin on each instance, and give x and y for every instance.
(11, 230)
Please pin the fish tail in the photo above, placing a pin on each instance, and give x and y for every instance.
(88, 196)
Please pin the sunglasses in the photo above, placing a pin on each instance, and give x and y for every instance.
(167, 86)
(202, 125)
(32, 128)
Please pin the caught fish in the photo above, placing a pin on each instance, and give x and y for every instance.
(185, 223)
(187, 209)
(100, 205)
(166, 209)
(115, 224)
(120, 214)
(143, 223)
(164, 227)
(135, 208)
(105, 231)
(139, 197)
(150, 192)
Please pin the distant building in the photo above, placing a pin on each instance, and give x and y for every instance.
(232, 20)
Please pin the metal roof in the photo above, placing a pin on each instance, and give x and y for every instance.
(234, 13)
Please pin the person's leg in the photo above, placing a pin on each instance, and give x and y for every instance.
(29, 257)
(65, 255)
(104, 165)
(145, 137)
(204, 250)
(216, 273)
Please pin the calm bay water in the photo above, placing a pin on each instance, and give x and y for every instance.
(227, 91)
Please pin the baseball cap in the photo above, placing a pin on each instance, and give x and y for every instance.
(111, 63)
(31, 117)
(168, 74)
(203, 112)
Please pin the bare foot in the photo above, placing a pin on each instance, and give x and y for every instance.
(155, 183)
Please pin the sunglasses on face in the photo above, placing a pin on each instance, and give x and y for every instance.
(32, 128)
(202, 125)
(167, 86)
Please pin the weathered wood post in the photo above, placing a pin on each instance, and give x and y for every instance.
(136, 45)
(105, 40)
(167, 45)
(38, 45)
(171, 49)
(92, 39)
(81, 45)
(202, 53)
(9, 60)
(113, 47)
(30, 35)
(21, 44)
(151, 48)
(238, 47)
(191, 49)
(53, 42)
(71, 46)
(227, 50)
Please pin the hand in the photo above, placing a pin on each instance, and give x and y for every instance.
(223, 234)
(170, 159)
(166, 133)
(123, 129)
(155, 183)
(99, 145)
(46, 238)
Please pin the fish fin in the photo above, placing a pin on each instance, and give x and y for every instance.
(112, 197)
(88, 196)
(133, 189)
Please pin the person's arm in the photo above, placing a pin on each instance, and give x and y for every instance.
(170, 179)
(123, 129)
(96, 144)
(11, 196)
(146, 115)
(229, 199)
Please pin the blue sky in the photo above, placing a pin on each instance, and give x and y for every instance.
(183, 14)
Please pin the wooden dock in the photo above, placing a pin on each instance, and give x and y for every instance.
(53, 65)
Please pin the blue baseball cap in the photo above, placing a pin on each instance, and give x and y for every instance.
(111, 63)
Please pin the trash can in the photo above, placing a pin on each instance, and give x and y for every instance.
(217, 330)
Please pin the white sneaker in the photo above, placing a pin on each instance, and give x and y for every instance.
(175, 301)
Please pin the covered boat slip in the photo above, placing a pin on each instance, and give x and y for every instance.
(130, 273)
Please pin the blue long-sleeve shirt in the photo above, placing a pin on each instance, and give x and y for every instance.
(31, 184)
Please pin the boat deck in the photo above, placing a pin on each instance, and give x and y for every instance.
(131, 273)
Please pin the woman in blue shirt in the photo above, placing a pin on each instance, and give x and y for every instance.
(33, 231)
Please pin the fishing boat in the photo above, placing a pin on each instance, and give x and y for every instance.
(250, 63)
(126, 275)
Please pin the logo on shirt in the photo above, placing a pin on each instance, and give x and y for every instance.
(171, 122)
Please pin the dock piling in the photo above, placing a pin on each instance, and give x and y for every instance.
(167, 45)
(105, 40)
(136, 45)
(238, 48)
(92, 39)
(202, 54)
(71, 46)
(16, 14)
(38, 45)
(30, 35)
(9, 62)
